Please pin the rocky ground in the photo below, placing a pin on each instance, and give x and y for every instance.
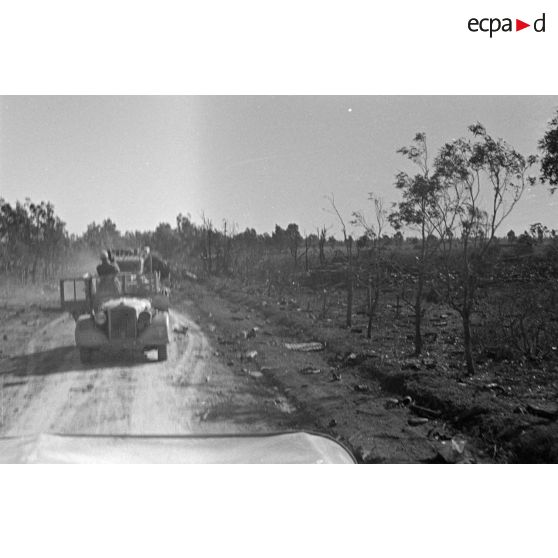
(373, 394)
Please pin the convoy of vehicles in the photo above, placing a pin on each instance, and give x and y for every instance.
(128, 311)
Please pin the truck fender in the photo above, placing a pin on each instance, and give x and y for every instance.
(158, 331)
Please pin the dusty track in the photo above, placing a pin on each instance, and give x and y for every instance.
(47, 389)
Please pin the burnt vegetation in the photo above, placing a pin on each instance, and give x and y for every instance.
(457, 310)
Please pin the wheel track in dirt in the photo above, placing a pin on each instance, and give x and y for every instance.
(48, 389)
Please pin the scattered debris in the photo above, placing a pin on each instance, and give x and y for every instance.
(250, 355)
(335, 377)
(549, 412)
(363, 455)
(454, 451)
(424, 411)
(352, 359)
(332, 423)
(417, 421)
(411, 364)
(253, 332)
(255, 373)
(361, 387)
(458, 444)
(211, 328)
(305, 347)
(407, 400)
(436, 434)
(391, 403)
(493, 386)
(310, 370)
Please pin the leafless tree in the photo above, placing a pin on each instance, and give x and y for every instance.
(207, 226)
(348, 241)
(373, 231)
(322, 239)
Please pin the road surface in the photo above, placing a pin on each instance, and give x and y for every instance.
(48, 389)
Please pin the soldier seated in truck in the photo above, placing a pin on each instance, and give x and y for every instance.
(106, 267)
(107, 271)
(153, 262)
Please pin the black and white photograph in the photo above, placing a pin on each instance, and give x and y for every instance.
(241, 240)
(279, 279)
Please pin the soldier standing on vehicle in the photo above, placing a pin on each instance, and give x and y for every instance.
(154, 263)
(106, 267)
(109, 285)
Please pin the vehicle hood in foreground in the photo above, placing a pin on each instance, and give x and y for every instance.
(290, 447)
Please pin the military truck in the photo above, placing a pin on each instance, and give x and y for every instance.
(126, 312)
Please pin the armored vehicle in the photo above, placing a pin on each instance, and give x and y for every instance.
(129, 311)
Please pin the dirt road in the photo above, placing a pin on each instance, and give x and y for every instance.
(48, 389)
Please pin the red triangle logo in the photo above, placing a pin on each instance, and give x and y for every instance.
(519, 25)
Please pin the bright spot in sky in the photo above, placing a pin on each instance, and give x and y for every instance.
(350, 110)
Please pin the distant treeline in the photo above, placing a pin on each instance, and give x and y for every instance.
(36, 247)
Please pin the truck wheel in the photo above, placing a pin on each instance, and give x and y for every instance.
(162, 353)
(85, 355)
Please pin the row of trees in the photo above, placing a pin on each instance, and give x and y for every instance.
(33, 240)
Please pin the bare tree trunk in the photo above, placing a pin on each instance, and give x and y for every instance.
(419, 291)
(370, 310)
(350, 283)
(418, 315)
(321, 244)
(209, 258)
(467, 342)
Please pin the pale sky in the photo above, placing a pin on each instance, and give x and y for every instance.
(256, 161)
